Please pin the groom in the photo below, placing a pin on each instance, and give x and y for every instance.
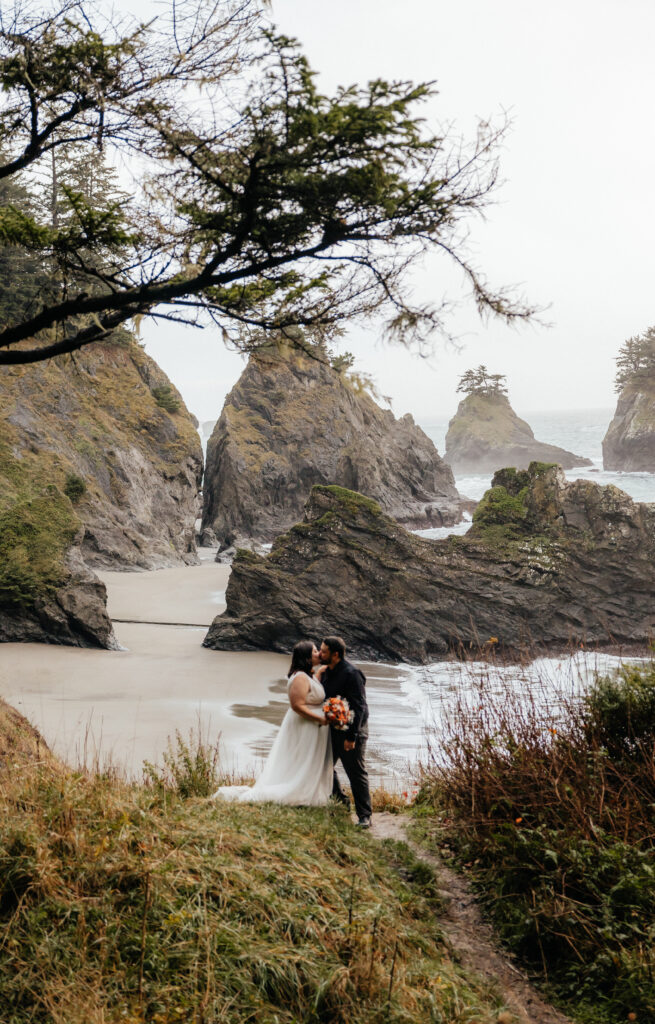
(341, 679)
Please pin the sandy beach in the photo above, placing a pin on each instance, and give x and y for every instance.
(120, 707)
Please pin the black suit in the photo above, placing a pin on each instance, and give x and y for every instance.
(344, 680)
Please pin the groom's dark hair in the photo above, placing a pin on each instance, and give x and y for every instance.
(335, 645)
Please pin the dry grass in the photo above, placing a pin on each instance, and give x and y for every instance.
(125, 902)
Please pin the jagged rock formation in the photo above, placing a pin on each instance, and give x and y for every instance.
(486, 434)
(629, 444)
(100, 465)
(546, 563)
(292, 421)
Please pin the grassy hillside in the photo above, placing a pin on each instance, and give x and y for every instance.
(129, 903)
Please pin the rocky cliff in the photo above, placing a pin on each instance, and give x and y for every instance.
(485, 434)
(100, 465)
(545, 563)
(629, 443)
(291, 422)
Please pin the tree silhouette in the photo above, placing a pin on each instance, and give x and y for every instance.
(256, 201)
(481, 382)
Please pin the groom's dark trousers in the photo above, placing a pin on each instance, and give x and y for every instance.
(344, 680)
(353, 765)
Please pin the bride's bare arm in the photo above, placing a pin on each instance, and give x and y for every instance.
(298, 692)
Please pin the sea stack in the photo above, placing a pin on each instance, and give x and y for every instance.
(629, 444)
(485, 433)
(100, 466)
(546, 564)
(295, 419)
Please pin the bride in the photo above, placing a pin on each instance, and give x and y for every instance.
(298, 769)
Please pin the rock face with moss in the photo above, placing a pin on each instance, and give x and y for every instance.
(99, 466)
(629, 444)
(292, 421)
(108, 429)
(485, 434)
(546, 563)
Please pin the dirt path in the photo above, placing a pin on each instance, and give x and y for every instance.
(470, 937)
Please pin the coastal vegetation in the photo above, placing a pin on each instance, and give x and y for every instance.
(146, 902)
(549, 810)
(265, 205)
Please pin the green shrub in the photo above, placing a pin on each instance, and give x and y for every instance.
(620, 710)
(74, 487)
(165, 398)
(552, 813)
(190, 766)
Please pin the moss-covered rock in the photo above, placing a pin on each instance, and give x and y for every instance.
(92, 473)
(546, 563)
(486, 433)
(293, 421)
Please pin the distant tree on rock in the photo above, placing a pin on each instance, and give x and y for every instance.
(256, 201)
(636, 360)
(481, 382)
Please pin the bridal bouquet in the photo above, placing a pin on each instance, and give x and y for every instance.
(338, 713)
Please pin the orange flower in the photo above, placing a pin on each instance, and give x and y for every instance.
(518, 820)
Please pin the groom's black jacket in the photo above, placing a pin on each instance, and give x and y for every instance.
(344, 680)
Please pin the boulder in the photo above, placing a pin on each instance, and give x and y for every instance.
(485, 434)
(629, 444)
(293, 421)
(68, 609)
(546, 564)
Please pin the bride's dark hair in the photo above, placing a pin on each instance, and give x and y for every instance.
(301, 658)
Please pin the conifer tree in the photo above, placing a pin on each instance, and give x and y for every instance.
(636, 360)
(481, 382)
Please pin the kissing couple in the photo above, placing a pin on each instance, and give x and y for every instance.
(300, 768)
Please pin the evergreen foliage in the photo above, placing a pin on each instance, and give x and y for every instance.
(636, 360)
(481, 382)
(281, 207)
(165, 398)
(75, 487)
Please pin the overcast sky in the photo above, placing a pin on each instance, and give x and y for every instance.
(573, 224)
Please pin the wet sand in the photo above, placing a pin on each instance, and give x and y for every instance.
(120, 707)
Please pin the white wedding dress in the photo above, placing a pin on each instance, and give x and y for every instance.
(298, 769)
